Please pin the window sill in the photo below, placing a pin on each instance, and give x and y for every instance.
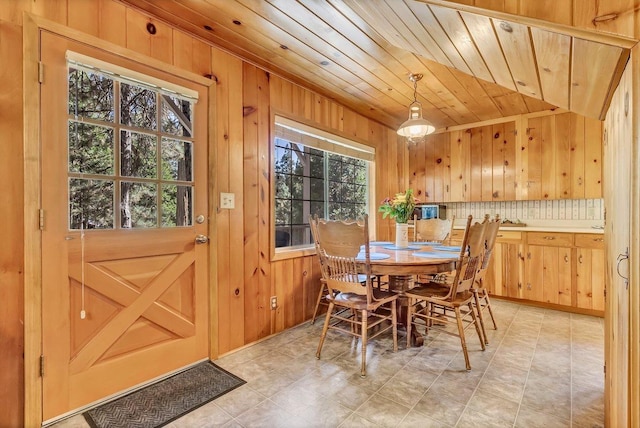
(292, 253)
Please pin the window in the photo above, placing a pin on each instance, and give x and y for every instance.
(316, 175)
(130, 152)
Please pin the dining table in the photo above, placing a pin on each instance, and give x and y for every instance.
(402, 265)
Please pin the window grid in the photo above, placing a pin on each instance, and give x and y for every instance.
(118, 178)
(312, 181)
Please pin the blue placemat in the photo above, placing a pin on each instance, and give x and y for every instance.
(373, 256)
(410, 247)
(455, 248)
(372, 243)
(434, 255)
(431, 243)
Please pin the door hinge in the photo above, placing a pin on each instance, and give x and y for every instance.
(41, 219)
(41, 365)
(40, 72)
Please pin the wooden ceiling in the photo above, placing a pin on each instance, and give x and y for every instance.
(477, 64)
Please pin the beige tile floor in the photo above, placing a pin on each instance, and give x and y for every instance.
(542, 368)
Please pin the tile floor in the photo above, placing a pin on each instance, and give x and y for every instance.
(542, 368)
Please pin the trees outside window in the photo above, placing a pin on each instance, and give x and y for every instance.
(130, 153)
(312, 181)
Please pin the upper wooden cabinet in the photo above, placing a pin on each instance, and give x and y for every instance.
(556, 156)
(562, 157)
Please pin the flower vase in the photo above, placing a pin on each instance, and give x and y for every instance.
(402, 235)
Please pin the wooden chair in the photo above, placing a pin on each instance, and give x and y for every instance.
(451, 293)
(480, 294)
(433, 229)
(339, 244)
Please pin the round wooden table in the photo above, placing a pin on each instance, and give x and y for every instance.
(402, 266)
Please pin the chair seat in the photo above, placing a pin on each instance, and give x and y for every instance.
(358, 301)
(436, 292)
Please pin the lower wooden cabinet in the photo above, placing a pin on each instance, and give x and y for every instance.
(590, 271)
(561, 269)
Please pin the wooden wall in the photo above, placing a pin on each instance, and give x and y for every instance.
(11, 212)
(245, 275)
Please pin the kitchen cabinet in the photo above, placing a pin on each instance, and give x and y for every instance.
(548, 267)
(504, 276)
(533, 157)
(590, 271)
(560, 269)
(561, 157)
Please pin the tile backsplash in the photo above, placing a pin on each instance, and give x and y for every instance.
(532, 211)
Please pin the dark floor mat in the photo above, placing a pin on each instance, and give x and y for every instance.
(158, 404)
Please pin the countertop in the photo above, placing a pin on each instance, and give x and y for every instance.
(558, 229)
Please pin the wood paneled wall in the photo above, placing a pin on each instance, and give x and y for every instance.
(11, 213)
(245, 276)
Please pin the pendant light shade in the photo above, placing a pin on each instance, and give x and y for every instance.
(416, 127)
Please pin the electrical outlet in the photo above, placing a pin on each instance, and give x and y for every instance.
(274, 302)
(227, 201)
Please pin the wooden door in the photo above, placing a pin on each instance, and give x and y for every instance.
(124, 179)
(619, 137)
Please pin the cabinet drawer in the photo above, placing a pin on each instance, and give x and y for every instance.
(509, 236)
(590, 240)
(550, 239)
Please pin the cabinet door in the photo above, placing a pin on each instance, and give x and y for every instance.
(513, 267)
(534, 265)
(548, 274)
(590, 278)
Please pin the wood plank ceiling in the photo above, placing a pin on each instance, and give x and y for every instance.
(477, 64)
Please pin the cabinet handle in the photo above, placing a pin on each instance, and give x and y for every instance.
(598, 239)
(549, 238)
(499, 236)
(566, 258)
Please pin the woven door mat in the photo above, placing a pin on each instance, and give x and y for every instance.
(165, 401)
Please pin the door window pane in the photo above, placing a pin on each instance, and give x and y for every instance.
(138, 106)
(177, 205)
(138, 205)
(90, 95)
(90, 148)
(176, 116)
(138, 155)
(177, 162)
(91, 204)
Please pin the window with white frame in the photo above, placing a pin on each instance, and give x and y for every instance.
(316, 174)
(130, 149)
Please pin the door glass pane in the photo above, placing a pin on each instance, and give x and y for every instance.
(138, 106)
(90, 148)
(177, 161)
(90, 95)
(177, 205)
(138, 205)
(138, 156)
(177, 116)
(91, 204)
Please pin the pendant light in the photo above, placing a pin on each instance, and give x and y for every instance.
(415, 128)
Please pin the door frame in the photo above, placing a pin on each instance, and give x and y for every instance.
(32, 273)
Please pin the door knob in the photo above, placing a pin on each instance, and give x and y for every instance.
(202, 239)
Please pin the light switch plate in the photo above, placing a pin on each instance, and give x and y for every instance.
(227, 201)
